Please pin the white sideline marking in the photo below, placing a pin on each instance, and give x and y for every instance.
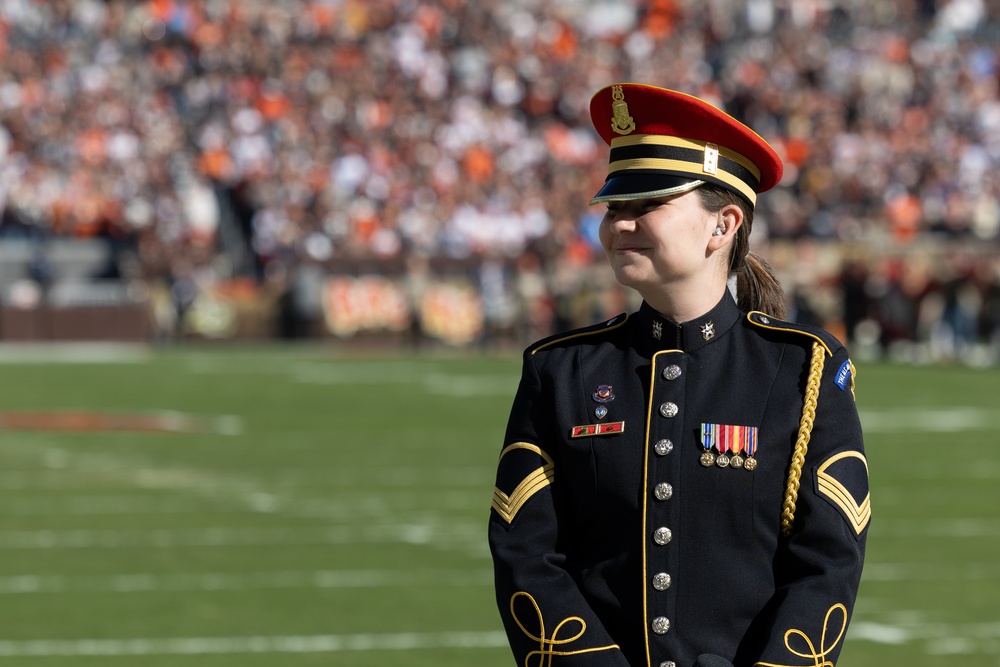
(932, 420)
(43, 648)
(445, 534)
(959, 527)
(28, 584)
(939, 638)
(74, 353)
(402, 374)
(930, 572)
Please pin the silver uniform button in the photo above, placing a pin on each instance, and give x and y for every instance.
(663, 491)
(663, 447)
(668, 663)
(669, 410)
(672, 372)
(661, 624)
(663, 536)
(661, 581)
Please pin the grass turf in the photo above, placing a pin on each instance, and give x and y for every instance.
(307, 507)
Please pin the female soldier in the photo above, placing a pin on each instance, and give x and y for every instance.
(686, 484)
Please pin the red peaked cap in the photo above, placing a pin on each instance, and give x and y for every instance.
(663, 142)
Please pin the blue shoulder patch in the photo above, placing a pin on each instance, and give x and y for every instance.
(843, 376)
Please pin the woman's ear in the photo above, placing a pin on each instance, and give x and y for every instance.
(730, 219)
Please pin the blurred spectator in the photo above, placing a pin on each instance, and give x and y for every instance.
(242, 134)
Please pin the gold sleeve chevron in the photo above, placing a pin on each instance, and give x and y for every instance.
(507, 506)
(857, 514)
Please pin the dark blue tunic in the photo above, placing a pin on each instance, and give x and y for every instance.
(614, 543)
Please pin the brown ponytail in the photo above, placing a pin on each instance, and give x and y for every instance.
(757, 288)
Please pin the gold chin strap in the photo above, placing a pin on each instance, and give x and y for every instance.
(802, 443)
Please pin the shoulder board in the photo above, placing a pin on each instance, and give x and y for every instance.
(601, 327)
(824, 338)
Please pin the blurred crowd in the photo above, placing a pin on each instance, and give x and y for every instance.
(216, 139)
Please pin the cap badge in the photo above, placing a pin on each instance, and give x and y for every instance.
(657, 330)
(604, 394)
(621, 121)
(708, 331)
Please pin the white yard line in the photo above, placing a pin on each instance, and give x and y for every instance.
(445, 535)
(29, 584)
(43, 648)
(937, 638)
(74, 353)
(928, 420)
(892, 572)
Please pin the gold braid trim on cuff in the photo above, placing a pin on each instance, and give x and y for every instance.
(802, 442)
(546, 651)
(819, 655)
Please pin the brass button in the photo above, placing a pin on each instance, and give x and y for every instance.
(663, 536)
(672, 372)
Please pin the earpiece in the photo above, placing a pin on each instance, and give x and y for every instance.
(719, 231)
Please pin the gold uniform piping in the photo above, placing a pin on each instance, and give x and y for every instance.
(645, 496)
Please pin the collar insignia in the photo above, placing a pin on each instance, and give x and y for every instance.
(708, 331)
(657, 330)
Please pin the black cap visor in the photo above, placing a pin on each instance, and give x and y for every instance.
(637, 185)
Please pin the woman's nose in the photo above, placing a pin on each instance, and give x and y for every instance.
(622, 222)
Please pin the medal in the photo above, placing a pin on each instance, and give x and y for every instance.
(736, 446)
(725, 438)
(750, 447)
(707, 441)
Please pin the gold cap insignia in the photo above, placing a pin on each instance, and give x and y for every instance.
(621, 121)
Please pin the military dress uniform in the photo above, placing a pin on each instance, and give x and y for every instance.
(619, 538)
(667, 490)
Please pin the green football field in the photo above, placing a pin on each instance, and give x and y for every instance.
(301, 506)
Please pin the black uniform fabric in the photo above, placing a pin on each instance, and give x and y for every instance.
(622, 549)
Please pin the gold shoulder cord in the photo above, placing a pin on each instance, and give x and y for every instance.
(802, 443)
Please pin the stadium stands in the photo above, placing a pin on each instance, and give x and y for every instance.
(206, 141)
